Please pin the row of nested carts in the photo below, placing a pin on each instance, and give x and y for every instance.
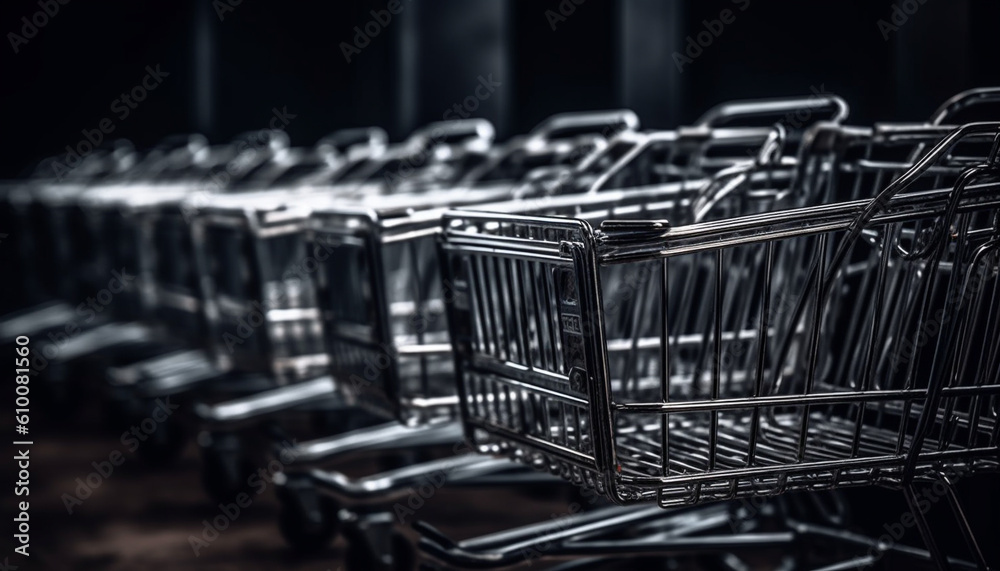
(701, 335)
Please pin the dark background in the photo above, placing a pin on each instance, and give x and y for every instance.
(228, 72)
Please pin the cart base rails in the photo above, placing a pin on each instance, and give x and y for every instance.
(35, 320)
(590, 539)
(234, 414)
(317, 503)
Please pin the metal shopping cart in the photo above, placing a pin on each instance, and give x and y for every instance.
(279, 261)
(56, 235)
(35, 237)
(101, 227)
(247, 253)
(59, 229)
(752, 352)
(388, 340)
(392, 248)
(21, 294)
(130, 222)
(154, 226)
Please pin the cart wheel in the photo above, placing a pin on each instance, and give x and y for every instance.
(64, 392)
(225, 467)
(117, 412)
(368, 549)
(308, 521)
(164, 440)
(165, 445)
(359, 556)
(404, 554)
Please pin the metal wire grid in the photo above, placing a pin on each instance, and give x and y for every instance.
(751, 313)
(388, 336)
(255, 268)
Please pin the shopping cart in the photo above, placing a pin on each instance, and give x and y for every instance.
(58, 236)
(279, 262)
(126, 222)
(399, 319)
(715, 536)
(155, 227)
(384, 323)
(100, 228)
(752, 352)
(36, 238)
(246, 267)
(20, 294)
(60, 233)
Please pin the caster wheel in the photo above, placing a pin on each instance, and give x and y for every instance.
(117, 412)
(165, 439)
(369, 545)
(164, 446)
(404, 554)
(225, 469)
(64, 393)
(308, 521)
(360, 557)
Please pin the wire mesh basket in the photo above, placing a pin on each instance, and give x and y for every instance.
(743, 349)
(255, 267)
(381, 293)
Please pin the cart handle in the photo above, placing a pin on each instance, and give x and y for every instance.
(467, 131)
(192, 143)
(964, 100)
(603, 124)
(273, 139)
(729, 180)
(735, 110)
(881, 200)
(344, 139)
(565, 125)
(877, 205)
(640, 143)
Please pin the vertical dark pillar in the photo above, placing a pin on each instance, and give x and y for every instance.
(203, 54)
(649, 84)
(931, 54)
(452, 62)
